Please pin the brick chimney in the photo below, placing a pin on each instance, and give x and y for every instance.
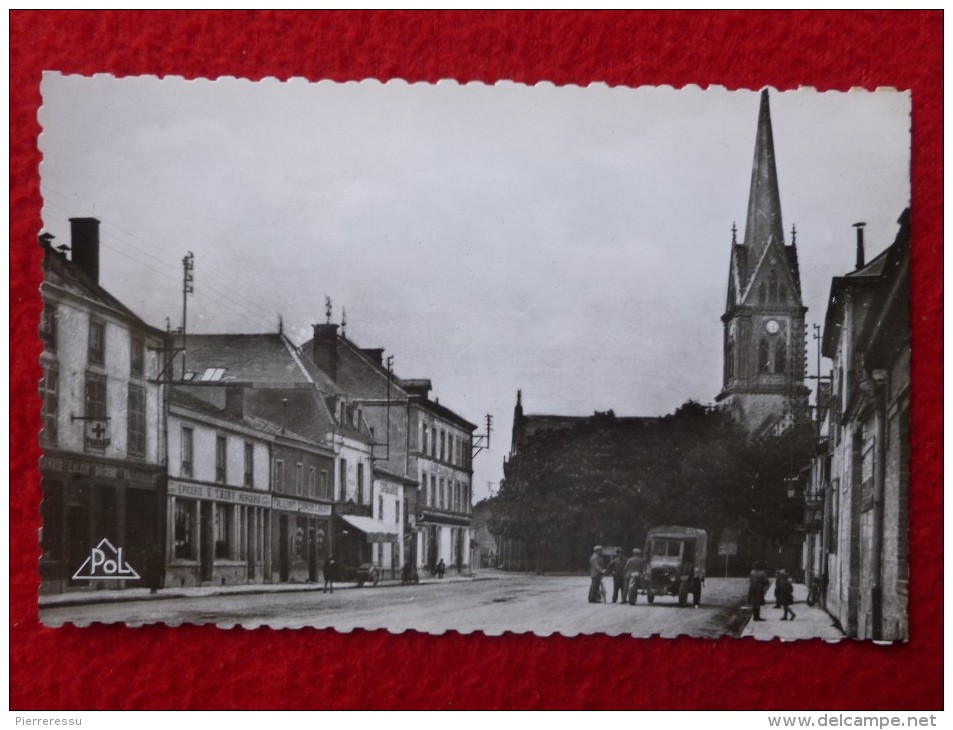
(860, 244)
(234, 402)
(85, 243)
(324, 349)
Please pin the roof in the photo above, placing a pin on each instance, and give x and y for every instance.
(62, 274)
(261, 359)
(211, 402)
(763, 222)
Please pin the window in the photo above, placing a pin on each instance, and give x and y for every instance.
(764, 364)
(780, 356)
(360, 483)
(433, 442)
(423, 439)
(48, 327)
(183, 544)
(136, 420)
(221, 459)
(433, 490)
(299, 478)
(49, 392)
(324, 484)
(185, 451)
(442, 445)
(425, 485)
(312, 487)
(223, 531)
(137, 355)
(97, 342)
(342, 480)
(95, 396)
(443, 493)
(249, 480)
(279, 485)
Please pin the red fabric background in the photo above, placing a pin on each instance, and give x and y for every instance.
(104, 667)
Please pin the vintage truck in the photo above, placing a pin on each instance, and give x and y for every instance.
(674, 564)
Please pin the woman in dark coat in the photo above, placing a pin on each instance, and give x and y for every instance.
(758, 585)
(785, 591)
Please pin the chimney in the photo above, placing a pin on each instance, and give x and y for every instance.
(374, 353)
(85, 242)
(234, 402)
(324, 349)
(860, 244)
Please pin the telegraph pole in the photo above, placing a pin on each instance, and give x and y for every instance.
(188, 287)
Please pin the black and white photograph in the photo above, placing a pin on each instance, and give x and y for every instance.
(475, 358)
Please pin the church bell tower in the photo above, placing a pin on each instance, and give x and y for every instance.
(764, 338)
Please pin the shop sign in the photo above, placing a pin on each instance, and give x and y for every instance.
(97, 433)
(218, 494)
(55, 464)
(294, 505)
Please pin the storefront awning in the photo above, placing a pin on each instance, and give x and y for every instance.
(375, 531)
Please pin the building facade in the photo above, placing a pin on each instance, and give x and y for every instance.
(415, 438)
(863, 476)
(103, 463)
(763, 374)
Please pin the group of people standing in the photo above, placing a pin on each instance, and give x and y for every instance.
(619, 568)
(758, 585)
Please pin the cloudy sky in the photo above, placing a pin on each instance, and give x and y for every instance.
(572, 242)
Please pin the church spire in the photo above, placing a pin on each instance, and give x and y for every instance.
(764, 202)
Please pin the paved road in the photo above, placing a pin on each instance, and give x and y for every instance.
(519, 603)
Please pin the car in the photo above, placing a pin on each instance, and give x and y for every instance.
(675, 563)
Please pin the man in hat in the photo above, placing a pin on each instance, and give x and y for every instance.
(595, 573)
(633, 571)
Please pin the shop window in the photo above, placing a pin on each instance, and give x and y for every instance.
(49, 392)
(185, 449)
(184, 546)
(97, 342)
(221, 459)
(48, 329)
(136, 420)
(249, 480)
(137, 356)
(223, 531)
(279, 476)
(300, 545)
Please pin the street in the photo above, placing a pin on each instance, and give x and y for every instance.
(493, 603)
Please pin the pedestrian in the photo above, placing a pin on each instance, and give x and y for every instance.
(441, 568)
(330, 573)
(785, 590)
(617, 570)
(758, 585)
(632, 574)
(595, 574)
(777, 598)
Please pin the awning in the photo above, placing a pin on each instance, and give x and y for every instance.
(375, 531)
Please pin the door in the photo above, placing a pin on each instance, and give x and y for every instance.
(77, 540)
(206, 541)
(312, 552)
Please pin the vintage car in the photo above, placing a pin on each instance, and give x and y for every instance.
(675, 563)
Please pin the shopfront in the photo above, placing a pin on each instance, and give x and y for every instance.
(217, 535)
(88, 499)
(301, 539)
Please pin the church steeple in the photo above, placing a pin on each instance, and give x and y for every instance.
(763, 382)
(764, 201)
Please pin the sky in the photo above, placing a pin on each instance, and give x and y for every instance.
(572, 242)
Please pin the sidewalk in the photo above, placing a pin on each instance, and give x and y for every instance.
(83, 598)
(811, 622)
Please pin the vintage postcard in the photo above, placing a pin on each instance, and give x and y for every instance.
(436, 357)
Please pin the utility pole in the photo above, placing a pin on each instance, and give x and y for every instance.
(188, 287)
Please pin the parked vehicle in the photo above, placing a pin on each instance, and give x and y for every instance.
(675, 563)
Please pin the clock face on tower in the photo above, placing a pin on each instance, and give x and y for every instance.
(772, 326)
